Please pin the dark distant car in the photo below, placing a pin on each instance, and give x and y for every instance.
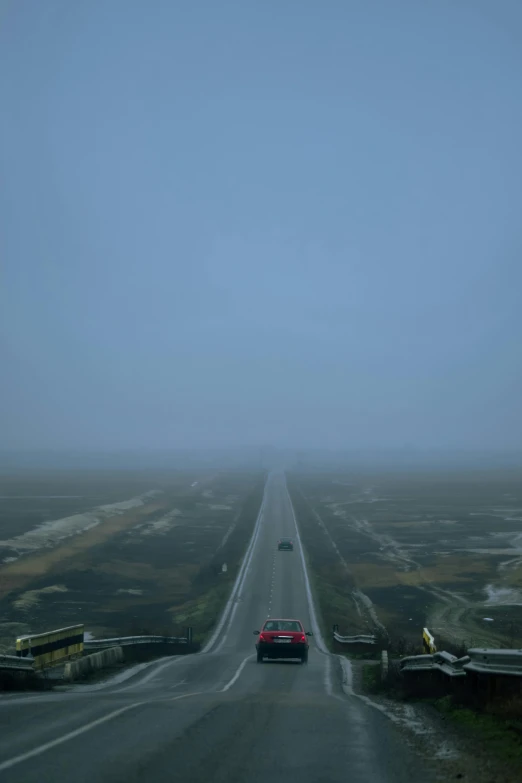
(285, 544)
(282, 639)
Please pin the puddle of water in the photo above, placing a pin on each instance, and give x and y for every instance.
(502, 596)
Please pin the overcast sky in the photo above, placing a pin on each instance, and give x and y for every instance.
(282, 221)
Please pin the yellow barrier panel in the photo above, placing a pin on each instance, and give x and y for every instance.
(51, 647)
(428, 642)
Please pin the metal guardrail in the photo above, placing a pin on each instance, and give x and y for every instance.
(484, 661)
(450, 664)
(417, 663)
(361, 639)
(123, 641)
(13, 662)
(444, 662)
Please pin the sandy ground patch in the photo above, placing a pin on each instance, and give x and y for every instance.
(32, 598)
(52, 533)
(149, 565)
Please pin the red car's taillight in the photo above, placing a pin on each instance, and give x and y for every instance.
(299, 639)
(262, 637)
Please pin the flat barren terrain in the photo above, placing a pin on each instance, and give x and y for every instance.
(122, 552)
(391, 553)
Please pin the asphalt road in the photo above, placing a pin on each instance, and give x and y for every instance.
(218, 715)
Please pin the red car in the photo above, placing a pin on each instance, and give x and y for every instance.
(282, 639)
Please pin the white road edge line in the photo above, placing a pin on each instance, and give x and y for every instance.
(224, 617)
(71, 735)
(238, 584)
(231, 605)
(313, 618)
(9, 763)
(112, 682)
(237, 674)
(150, 676)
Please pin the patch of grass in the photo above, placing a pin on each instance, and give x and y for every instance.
(500, 734)
(371, 655)
(335, 605)
(412, 543)
(17, 575)
(202, 612)
(332, 584)
(128, 573)
(371, 678)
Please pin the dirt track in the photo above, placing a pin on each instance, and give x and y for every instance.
(413, 550)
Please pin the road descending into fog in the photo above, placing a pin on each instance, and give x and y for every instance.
(219, 715)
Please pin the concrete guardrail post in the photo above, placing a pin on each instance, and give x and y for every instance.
(384, 665)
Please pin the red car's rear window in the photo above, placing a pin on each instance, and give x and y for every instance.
(282, 625)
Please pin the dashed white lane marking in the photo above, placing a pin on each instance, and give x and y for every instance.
(237, 674)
